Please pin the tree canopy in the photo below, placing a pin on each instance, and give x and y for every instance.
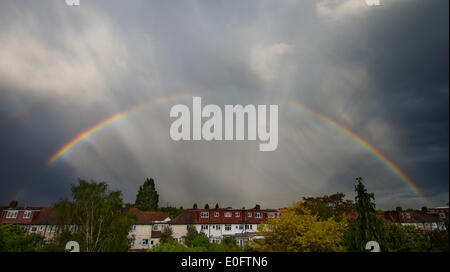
(101, 222)
(147, 197)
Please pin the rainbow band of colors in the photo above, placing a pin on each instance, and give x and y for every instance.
(68, 146)
(408, 181)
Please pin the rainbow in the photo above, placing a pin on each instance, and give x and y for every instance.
(27, 106)
(83, 135)
(408, 181)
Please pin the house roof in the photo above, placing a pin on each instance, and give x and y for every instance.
(147, 217)
(46, 216)
(415, 217)
(186, 218)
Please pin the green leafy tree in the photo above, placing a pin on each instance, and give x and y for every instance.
(200, 241)
(147, 197)
(101, 222)
(170, 246)
(191, 234)
(367, 227)
(166, 235)
(404, 239)
(173, 212)
(328, 206)
(298, 230)
(230, 245)
(206, 206)
(13, 238)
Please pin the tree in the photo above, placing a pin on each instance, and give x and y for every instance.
(404, 239)
(367, 226)
(147, 197)
(101, 222)
(230, 245)
(166, 235)
(200, 241)
(173, 212)
(191, 234)
(170, 246)
(328, 206)
(13, 238)
(207, 206)
(299, 230)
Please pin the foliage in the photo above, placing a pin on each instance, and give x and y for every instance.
(170, 246)
(200, 241)
(230, 245)
(328, 206)
(299, 230)
(173, 212)
(98, 216)
(404, 239)
(13, 238)
(166, 235)
(367, 226)
(147, 197)
(200, 244)
(439, 240)
(191, 234)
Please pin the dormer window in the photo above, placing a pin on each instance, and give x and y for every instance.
(27, 214)
(11, 214)
(237, 214)
(216, 214)
(258, 215)
(204, 215)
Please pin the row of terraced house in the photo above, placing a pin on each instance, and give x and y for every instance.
(216, 223)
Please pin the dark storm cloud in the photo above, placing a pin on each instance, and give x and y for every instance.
(380, 71)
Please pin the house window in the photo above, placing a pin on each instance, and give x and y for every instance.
(152, 242)
(216, 214)
(145, 242)
(27, 214)
(11, 214)
(248, 227)
(133, 228)
(258, 215)
(217, 227)
(33, 229)
(41, 228)
(249, 214)
(227, 214)
(132, 243)
(237, 214)
(228, 227)
(204, 227)
(204, 215)
(408, 215)
(155, 227)
(241, 227)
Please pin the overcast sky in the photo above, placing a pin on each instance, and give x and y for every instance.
(380, 71)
